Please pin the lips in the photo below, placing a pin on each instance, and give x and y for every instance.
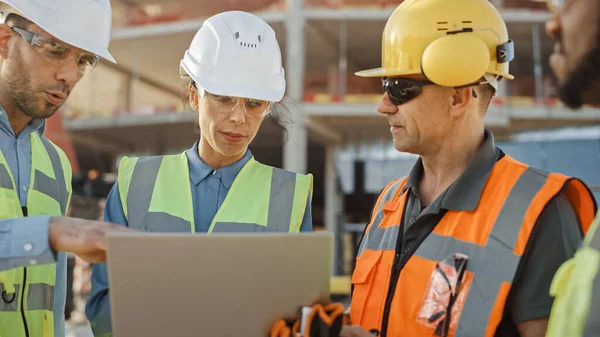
(55, 98)
(394, 128)
(233, 137)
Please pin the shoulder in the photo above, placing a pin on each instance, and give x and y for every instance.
(128, 163)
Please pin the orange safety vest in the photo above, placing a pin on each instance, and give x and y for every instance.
(493, 236)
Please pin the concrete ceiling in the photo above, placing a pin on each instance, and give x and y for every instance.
(157, 57)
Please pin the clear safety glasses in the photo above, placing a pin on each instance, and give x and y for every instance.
(57, 52)
(227, 104)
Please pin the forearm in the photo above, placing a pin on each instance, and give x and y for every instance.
(24, 242)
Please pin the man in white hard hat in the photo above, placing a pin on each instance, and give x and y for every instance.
(45, 49)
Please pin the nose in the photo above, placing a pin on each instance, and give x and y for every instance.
(238, 115)
(553, 27)
(67, 72)
(386, 107)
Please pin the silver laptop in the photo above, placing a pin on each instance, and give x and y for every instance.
(218, 285)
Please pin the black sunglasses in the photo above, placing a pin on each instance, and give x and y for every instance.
(402, 90)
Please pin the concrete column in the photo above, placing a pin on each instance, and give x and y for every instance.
(295, 150)
(343, 58)
(333, 205)
(537, 61)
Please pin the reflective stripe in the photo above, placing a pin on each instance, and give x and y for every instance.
(377, 238)
(281, 201)
(488, 276)
(40, 297)
(595, 242)
(283, 188)
(54, 188)
(5, 181)
(12, 306)
(592, 323)
(234, 227)
(141, 188)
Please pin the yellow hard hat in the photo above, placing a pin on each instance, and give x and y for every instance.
(452, 42)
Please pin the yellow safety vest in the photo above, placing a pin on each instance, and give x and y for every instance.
(27, 293)
(156, 196)
(576, 288)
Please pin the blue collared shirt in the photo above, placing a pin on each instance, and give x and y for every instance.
(209, 189)
(24, 241)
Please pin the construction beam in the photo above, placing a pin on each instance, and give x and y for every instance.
(323, 132)
(140, 77)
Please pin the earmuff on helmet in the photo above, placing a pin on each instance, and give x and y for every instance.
(459, 59)
(453, 43)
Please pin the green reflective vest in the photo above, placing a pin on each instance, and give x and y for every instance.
(576, 288)
(27, 293)
(156, 196)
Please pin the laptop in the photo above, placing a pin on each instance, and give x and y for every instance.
(217, 285)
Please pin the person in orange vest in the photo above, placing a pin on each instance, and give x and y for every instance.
(467, 244)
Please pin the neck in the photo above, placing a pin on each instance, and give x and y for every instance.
(445, 166)
(17, 119)
(213, 158)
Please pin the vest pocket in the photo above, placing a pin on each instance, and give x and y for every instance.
(371, 280)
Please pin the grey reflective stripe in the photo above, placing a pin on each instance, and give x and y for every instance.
(595, 241)
(12, 306)
(498, 262)
(281, 201)
(592, 322)
(139, 196)
(54, 188)
(40, 297)
(377, 238)
(491, 264)
(5, 181)
(234, 227)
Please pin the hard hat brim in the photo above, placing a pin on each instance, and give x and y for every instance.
(383, 72)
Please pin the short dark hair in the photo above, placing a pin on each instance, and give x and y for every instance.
(486, 93)
(280, 115)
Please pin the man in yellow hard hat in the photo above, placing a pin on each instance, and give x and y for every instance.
(576, 63)
(467, 244)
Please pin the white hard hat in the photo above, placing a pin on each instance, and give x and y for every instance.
(84, 24)
(236, 54)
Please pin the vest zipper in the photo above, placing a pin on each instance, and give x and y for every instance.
(23, 302)
(396, 268)
(398, 265)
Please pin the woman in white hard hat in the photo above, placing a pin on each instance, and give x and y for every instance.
(236, 80)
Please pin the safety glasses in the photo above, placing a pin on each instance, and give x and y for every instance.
(227, 104)
(57, 52)
(402, 90)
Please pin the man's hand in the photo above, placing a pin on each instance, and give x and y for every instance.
(84, 238)
(354, 331)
